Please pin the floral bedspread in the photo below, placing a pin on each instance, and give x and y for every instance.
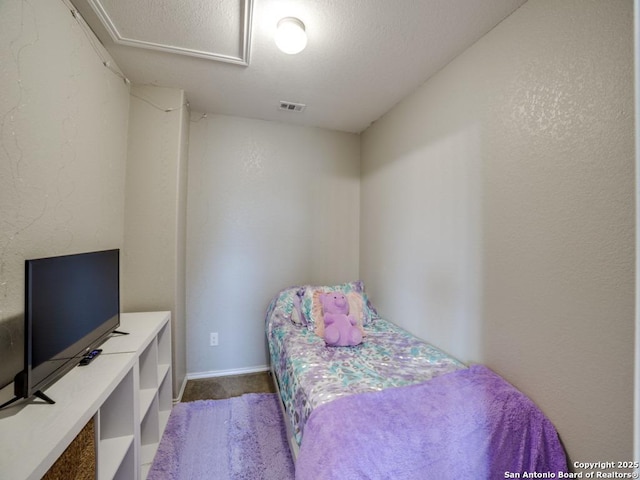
(310, 374)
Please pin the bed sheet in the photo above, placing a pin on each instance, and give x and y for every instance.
(310, 374)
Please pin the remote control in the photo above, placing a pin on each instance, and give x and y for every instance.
(86, 360)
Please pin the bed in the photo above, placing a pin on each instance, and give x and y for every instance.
(395, 406)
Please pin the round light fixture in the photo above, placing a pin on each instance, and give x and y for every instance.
(290, 36)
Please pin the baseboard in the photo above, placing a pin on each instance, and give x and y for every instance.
(181, 392)
(225, 373)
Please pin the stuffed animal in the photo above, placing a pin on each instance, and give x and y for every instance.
(340, 328)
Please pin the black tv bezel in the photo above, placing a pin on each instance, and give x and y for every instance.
(25, 385)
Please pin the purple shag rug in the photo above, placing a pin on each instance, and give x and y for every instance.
(236, 438)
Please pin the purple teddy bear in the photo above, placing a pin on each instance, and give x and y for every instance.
(340, 328)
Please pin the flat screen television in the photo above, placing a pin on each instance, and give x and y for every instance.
(72, 305)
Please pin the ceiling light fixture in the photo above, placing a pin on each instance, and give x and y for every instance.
(291, 36)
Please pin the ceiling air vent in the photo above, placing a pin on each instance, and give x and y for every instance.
(292, 107)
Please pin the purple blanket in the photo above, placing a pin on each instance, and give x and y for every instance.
(469, 424)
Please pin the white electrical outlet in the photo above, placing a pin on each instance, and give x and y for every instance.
(213, 339)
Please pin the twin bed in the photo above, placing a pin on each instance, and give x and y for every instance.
(395, 406)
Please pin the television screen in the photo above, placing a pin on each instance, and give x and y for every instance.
(72, 304)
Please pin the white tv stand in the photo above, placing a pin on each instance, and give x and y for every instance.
(126, 389)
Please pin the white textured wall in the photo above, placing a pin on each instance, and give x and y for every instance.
(498, 214)
(63, 133)
(269, 206)
(154, 253)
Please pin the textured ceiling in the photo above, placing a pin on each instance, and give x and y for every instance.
(362, 56)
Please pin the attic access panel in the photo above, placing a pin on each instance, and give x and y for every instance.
(219, 30)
